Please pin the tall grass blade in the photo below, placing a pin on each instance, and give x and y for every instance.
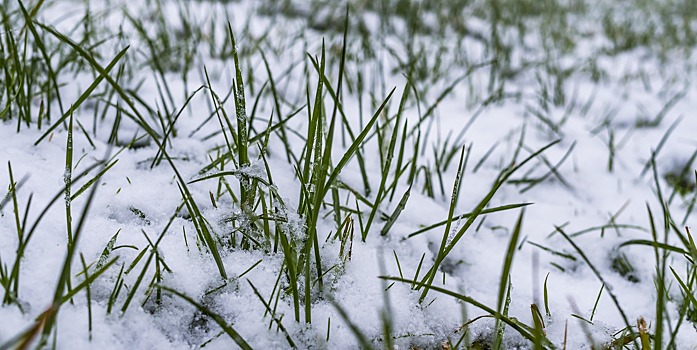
(505, 273)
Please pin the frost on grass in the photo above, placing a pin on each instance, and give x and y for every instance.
(254, 170)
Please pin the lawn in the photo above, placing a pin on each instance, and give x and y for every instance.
(393, 174)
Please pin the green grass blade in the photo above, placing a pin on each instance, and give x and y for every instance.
(598, 275)
(467, 215)
(273, 315)
(523, 330)
(387, 163)
(362, 339)
(247, 196)
(64, 278)
(503, 177)
(229, 330)
(88, 280)
(83, 97)
(91, 181)
(351, 151)
(395, 214)
(505, 273)
(202, 228)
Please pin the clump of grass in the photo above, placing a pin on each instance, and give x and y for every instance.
(682, 182)
(621, 264)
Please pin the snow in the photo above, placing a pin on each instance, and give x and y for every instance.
(138, 201)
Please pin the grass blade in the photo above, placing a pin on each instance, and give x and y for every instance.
(229, 330)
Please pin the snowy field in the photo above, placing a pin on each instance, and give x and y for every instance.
(483, 174)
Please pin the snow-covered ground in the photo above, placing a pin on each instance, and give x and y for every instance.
(596, 184)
